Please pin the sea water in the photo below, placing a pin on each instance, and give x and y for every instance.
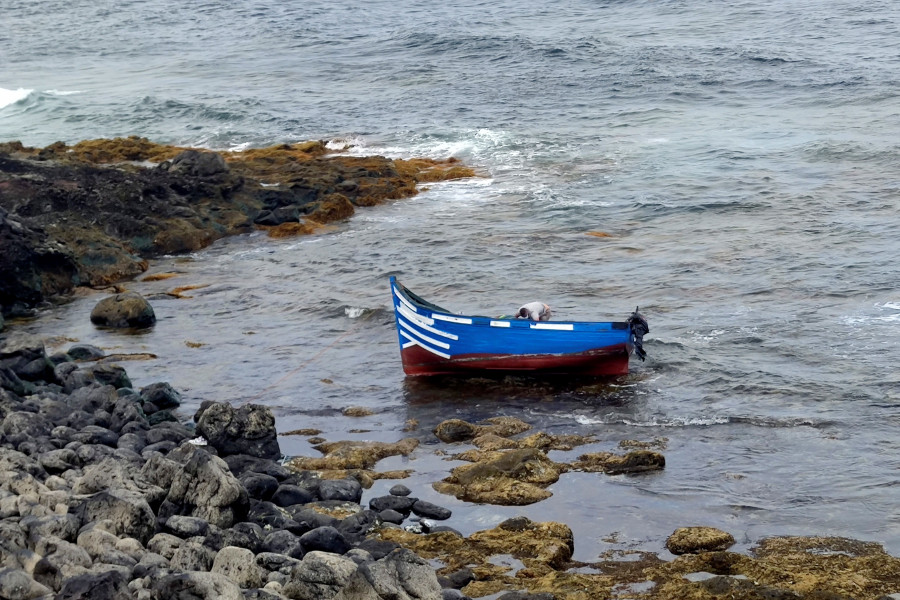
(731, 168)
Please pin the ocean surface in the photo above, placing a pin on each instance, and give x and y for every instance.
(733, 168)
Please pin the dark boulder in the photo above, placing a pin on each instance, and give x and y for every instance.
(249, 429)
(186, 527)
(308, 519)
(194, 586)
(355, 527)
(288, 495)
(400, 490)
(283, 542)
(198, 164)
(427, 510)
(402, 504)
(259, 486)
(128, 309)
(391, 516)
(347, 490)
(324, 539)
(107, 585)
(162, 395)
(85, 352)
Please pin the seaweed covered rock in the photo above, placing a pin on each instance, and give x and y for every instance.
(698, 539)
(119, 211)
(514, 477)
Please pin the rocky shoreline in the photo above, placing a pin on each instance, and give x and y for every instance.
(107, 491)
(93, 214)
(111, 492)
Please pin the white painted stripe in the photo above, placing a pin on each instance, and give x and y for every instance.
(421, 322)
(558, 326)
(462, 320)
(408, 344)
(499, 323)
(404, 300)
(413, 316)
(421, 345)
(422, 336)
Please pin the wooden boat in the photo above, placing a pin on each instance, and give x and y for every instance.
(435, 341)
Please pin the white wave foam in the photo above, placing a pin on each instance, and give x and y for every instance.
(354, 312)
(62, 92)
(887, 314)
(653, 422)
(8, 97)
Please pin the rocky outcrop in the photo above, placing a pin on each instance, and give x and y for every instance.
(93, 213)
(98, 499)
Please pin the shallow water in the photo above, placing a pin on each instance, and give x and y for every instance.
(742, 159)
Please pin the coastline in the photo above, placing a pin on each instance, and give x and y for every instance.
(92, 214)
(852, 569)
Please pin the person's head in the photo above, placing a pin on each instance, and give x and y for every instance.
(522, 313)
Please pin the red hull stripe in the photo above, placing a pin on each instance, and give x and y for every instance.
(611, 360)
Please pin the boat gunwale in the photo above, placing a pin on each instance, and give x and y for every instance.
(483, 321)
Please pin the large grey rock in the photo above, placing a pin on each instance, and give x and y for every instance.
(20, 426)
(165, 544)
(205, 488)
(96, 541)
(160, 471)
(128, 309)
(187, 527)
(60, 561)
(326, 539)
(129, 512)
(103, 585)
(16, 584)
(192, 556)
(93, 397)
(401, 575)
(249, 429)
(13, 460)
(195, 586)
(113, 474)
(277, 563)
(239, 565)
(319, 576)
(65, 527)
(25, 357)
(57, 461)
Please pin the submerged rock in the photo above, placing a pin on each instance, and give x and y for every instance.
(698, 539)
(514, 477)
(638, 461)
(352, 454)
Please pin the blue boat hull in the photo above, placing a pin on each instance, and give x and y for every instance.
(434, 341)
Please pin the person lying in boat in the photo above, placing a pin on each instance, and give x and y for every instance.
(536, 311)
